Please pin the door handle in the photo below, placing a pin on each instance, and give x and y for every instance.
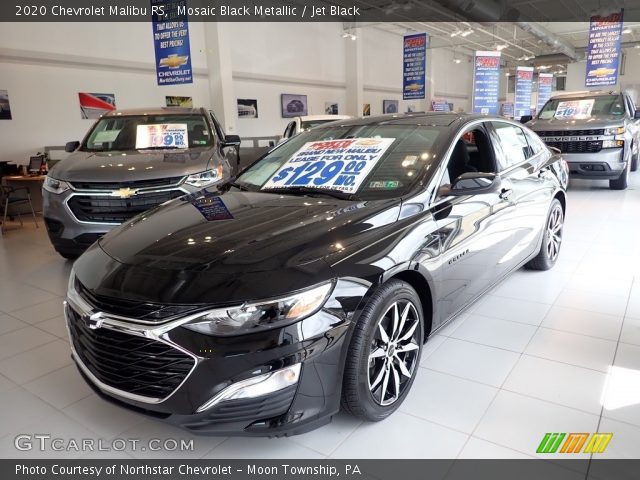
(506, 193)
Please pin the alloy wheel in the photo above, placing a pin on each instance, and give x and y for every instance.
(554, 233)
(394, 352)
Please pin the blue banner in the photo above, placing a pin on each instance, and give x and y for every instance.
(414, 66)
(603, 51)
(171, 42)
(545, 85)
(486, 82)
(524, 84)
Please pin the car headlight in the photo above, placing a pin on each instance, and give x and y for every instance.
(205, 178)
(262, 315)
(614, 131)
(55, 186)
(612, 143)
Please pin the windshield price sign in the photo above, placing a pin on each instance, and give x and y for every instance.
(164, 135)
(331, 164)
(578, 109)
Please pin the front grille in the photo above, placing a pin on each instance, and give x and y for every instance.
(150, 312)
(133, 364)
(104, 209)
(135, 184)
(577, 147)
(569, 133)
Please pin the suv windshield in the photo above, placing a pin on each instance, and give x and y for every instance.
(139, 132)
(306, 125)
(369, 161)
(583, 107)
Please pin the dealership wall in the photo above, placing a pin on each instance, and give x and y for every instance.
(44, 66)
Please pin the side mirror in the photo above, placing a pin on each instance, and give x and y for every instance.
(636, 115)
(231, 141)
(471, 183)
(71, 146)
(526, 118)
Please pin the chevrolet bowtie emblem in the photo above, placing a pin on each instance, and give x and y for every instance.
(93, 321)
(174, 61)
(124, 192)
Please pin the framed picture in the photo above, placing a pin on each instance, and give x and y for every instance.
(331, 108)
(174, 101)
(390, 106)
(247, 108)
(94, 105)
(5, 108)
(366, 109)
(293, 105)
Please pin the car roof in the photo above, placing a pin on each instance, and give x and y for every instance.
(437, 119)
(585, 93)
(311, 118)
(155, 111)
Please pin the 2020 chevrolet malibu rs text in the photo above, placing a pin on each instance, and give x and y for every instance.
(314, 278)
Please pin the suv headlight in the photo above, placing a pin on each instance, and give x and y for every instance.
(55, 186)
(614, 131)
(262, 315)
(205, 178)
(612, 143)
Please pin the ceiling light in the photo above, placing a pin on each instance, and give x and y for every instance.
(501, 47)
(457, 60)
(455, 34)
(626, 30)
(467, 32)
(345, 35)
(353, 37)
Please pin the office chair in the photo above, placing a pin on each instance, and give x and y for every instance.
(9, 198)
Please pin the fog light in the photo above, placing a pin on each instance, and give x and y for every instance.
(256, 386)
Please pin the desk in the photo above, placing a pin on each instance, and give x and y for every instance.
(34, 183)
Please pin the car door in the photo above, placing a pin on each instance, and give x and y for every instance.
(522, 159)
(475, 235)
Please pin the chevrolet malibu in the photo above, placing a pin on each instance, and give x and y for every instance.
(130, 161)
(313, 279)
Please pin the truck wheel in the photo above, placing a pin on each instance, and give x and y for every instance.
(620, 183)
(634, 159)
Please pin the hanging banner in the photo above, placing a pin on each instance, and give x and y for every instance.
(545, 85)
(524, 83)
(414, 66)
(171, 42)
(486, 82)
(603, 51)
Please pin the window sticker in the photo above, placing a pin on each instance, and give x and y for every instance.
(341, 164)
(386, 184)
(168, 135)
(576, 109)
(107, 136)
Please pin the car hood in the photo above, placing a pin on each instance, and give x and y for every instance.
(215, 248)
(605, 121)
(128, 166)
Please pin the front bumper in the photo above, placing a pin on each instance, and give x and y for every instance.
(607, 164)
(318, 343)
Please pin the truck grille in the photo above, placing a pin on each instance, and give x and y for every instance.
(136, 184)
(133, 364)
(105, 209)
(569, 133)
(577, 147)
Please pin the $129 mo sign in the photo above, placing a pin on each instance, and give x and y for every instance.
(331, 164)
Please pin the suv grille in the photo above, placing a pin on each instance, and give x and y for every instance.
(577, 147)
(104, 209)
(149, 312)
(152, 183)
(130, 363)
(569, 133)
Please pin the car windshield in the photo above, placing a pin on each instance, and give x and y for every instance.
(140, 132)
(367, 161)
(583, 107)
(306, 125)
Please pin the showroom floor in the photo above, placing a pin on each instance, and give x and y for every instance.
(557, 351)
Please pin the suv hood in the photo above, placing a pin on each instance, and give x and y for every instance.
(215, 248)
(605, 121)
(129, 166)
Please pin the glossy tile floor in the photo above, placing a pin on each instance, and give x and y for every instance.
(556, 351)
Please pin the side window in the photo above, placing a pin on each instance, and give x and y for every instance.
(536, 145)
(472, 152)
(513, 142)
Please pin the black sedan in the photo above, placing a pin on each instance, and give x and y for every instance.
(313, 280)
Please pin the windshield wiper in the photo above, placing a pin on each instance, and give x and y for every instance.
(238, 186)
(312, 191)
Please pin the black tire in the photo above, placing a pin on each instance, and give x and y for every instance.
(548, 255)
(68, 255)
(621, 182)
(363, 364)
(634, 160)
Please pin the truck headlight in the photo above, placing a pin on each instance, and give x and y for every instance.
(203, 179)
(55, 186)
(612, 143)
(614, 131)
(262, 315)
